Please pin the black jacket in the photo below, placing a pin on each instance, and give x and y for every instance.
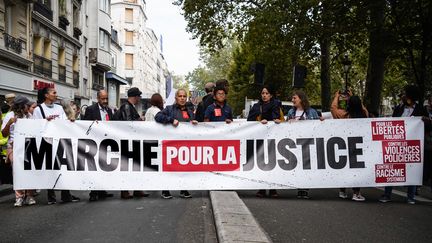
(202, 107)
(418, 111)
(92, 113)
(269, 111)
(172, 112)
(126, 112)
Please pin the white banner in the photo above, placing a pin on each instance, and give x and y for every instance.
(85, 155)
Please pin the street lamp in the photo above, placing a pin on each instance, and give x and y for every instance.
(346, 62)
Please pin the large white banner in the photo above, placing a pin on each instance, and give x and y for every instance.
(85, 155)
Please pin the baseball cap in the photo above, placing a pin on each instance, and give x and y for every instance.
(22, 100)
(134, 91)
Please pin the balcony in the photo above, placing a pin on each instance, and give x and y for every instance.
(77, 32)
(97, 86)
(62, 73)
(76, 79)
(43, 10)
(42, 66)
(12, 43)
(63, 22)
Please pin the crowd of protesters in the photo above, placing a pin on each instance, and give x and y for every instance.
(212, 108)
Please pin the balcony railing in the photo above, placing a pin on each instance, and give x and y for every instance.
(44, 10)
(63, 22)
(97, 86)
(12, 43)
(62, 73)
(76, 79)
(42, 66)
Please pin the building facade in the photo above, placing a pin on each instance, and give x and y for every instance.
(76, 47)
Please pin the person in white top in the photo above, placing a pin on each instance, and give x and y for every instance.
(157, 105)
(50, 111)
(19, 110)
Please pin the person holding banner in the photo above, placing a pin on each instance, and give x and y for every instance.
(127, 112)
(19, 110)
(50, 111)
(99, 112)
(267, 109)
(219, 110)
(355, 109)
(301, 110)
(205, 102)
(408, 108)
(174, 114)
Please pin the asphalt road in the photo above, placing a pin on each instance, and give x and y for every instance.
(327, 218)
(150, 219)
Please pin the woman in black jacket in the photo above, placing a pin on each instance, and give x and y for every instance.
(267, 109)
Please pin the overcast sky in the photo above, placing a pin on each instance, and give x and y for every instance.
(180, 52)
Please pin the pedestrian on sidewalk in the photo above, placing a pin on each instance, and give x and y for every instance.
(354, 109)
(174, 114)
(301, 110)
(267, 109)
(50, 111)
(128, 112)
(98, 112)
(409, 107)
(19, 110)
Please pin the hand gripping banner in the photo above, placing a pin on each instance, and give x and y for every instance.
(113, 155)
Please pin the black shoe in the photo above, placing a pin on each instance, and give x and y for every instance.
(104, 194)
(52, 201)
(185, 194)
(166, 195)
(71, 199)
(261, 193)
(93, 198)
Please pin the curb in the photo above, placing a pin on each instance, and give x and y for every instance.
(234, 222)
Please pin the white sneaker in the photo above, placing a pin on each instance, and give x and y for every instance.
(358, 197)
(30, 201)
(343, 195)
(19, 202)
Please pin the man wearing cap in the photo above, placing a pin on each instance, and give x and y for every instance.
(9, 98)
(99, 112)
(127, 112)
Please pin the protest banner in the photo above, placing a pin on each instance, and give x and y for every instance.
(114, 155)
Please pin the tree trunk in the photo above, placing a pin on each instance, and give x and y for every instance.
(377, 56)
(325, 74)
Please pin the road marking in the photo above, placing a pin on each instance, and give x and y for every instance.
(403, 194)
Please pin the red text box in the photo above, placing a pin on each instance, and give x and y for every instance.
(388, 173)
(408, 151)
(388, 130)
(200, 155)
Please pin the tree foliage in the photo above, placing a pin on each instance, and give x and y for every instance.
(389, 42)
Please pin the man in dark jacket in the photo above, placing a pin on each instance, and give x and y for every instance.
(174, 114)
(127, 112)
(409, 107)
(99, 112)
(206, 101)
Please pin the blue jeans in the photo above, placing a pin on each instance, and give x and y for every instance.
(410, 193)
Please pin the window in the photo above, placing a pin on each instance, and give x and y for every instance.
(114, 60)
(104, 40)
(9, 19)
(61, 64)
(46, 3)
(129, 61)
(98, 80)
(86, 52)
(42, 56)
(129, 37)
(104, 5)
(75, 68)
(129, 15)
